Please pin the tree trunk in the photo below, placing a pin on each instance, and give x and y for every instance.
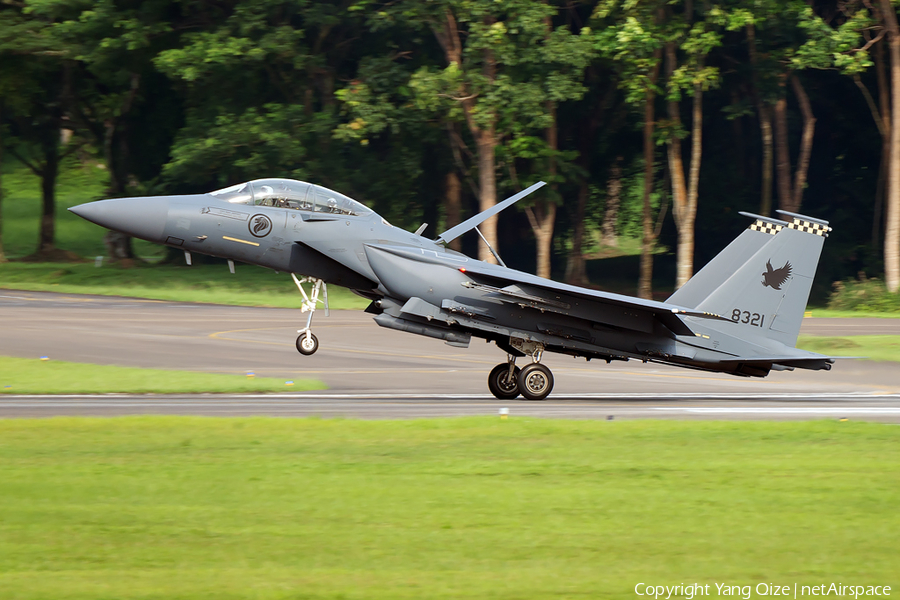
(645, 282)
(575, 272)
(118, 245)
(487, 184)
(765, 127)
(453, 203)
(115, 152)
(737, 131)
(884, 103)
(688, 213)
(648, 239)
(806, 141)
(448, 36)
(543, 217)
(790, 197)
(46, 240)
(575, 267)
(613, 201)
(2, 254)
(892, 226)
(684, 200)
(782, 155)
(676, 164)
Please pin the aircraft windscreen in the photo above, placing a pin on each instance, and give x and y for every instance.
(287, 193)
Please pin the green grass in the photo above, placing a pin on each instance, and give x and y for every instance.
(34, 376)
(867, 295)
(249, 286)
(873, 347)
(828, 313)
(160, 507)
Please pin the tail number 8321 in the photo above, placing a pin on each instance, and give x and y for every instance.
(745, 316)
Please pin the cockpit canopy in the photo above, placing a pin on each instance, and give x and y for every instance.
(287, 193)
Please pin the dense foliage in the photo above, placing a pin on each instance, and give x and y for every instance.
(429, 110)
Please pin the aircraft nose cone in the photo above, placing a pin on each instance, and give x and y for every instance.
(143, 218)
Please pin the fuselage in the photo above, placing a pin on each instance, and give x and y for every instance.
(418, 285)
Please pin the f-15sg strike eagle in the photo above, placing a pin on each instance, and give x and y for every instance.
(724, 319)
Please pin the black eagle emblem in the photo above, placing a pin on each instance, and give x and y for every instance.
(775, 278)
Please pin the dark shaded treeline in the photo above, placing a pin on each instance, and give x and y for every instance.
(409, 105)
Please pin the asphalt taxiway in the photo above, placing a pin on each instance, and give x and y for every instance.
(379, 373)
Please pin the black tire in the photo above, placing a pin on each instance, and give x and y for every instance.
(307, 348)
(498, 385)
(535, 382)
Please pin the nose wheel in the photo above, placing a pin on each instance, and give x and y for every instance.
(307, 343)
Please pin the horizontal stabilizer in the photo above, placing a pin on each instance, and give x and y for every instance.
(454, 232)
(815, 362)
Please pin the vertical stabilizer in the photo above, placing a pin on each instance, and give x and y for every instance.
(760, 232)
(767, 294)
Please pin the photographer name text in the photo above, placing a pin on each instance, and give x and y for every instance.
(745, 592)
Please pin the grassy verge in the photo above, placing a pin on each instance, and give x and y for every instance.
(157, 507)
(249, 286)
(33, 376)
(873, 347)
(828, 313)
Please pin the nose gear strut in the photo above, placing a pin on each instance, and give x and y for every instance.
(307, 343)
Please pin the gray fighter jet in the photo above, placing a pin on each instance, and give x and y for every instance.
(740, 314)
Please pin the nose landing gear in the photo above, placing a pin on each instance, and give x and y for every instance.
(307, 343)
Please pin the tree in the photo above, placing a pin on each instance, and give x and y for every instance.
(36, 78)
(2, 253)
(499, 80)
(111, 46)
(560, 61)
(695, 41)
(259, 80)
(892, 227)
(634, 41)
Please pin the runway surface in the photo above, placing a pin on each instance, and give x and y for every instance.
(379, 373)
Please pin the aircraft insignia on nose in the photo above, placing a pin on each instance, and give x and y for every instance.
(260, 226)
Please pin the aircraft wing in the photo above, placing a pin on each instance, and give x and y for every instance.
(617, 310)
(526, 290)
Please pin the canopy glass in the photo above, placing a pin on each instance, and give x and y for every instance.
(287, 193)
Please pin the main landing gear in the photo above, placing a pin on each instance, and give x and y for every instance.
(307, 343)
(534, 382)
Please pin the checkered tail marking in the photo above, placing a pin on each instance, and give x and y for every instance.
(809, 227)
(765, 227)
